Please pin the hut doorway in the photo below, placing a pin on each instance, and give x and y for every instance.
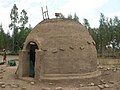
(32, 58)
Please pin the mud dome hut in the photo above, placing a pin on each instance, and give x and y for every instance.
(58, 49)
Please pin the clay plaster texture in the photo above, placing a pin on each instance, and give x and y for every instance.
(63, 48)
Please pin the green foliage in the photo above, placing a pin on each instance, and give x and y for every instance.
(2, 39)
(23, 18)
(18, 25)
(13, 25)
(86, 23)
(107, 36)
(70, 16)
(62, 16)
(5, 39)
(22, 36)
(76, 17)
(14, 18)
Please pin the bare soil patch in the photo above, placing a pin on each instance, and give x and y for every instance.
(109, 80)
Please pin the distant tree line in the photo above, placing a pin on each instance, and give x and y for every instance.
(75, 17)
(106, 36)
(14, 42)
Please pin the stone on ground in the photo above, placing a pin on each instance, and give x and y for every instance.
(14, 85)
(32, 83)
(92, 84)
(106, 86)
(2, 83)
(45, 88)
(58, 88)
(3, 86)
(101, 86)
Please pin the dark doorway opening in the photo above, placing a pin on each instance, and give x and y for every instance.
(33, 47)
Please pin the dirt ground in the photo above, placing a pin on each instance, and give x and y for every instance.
(109, 80)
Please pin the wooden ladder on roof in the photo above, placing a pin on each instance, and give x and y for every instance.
(45, 13)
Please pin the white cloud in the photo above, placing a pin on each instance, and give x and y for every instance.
(83, 8)
(113, 14)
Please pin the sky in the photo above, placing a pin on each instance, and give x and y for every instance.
(89, 9)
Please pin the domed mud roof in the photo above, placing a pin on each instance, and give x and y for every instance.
(66, 45)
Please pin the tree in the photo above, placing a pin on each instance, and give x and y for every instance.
(22, 36)
(116, 23)
(1, 37)
(14, 18)
(69, 16)
(108, 34)
(18, 25)
(86, 23)
(62, 16)
(8, 41)
(76, 17)
(23, 18)
(14, 22)
(23, 30)
(102, 33)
